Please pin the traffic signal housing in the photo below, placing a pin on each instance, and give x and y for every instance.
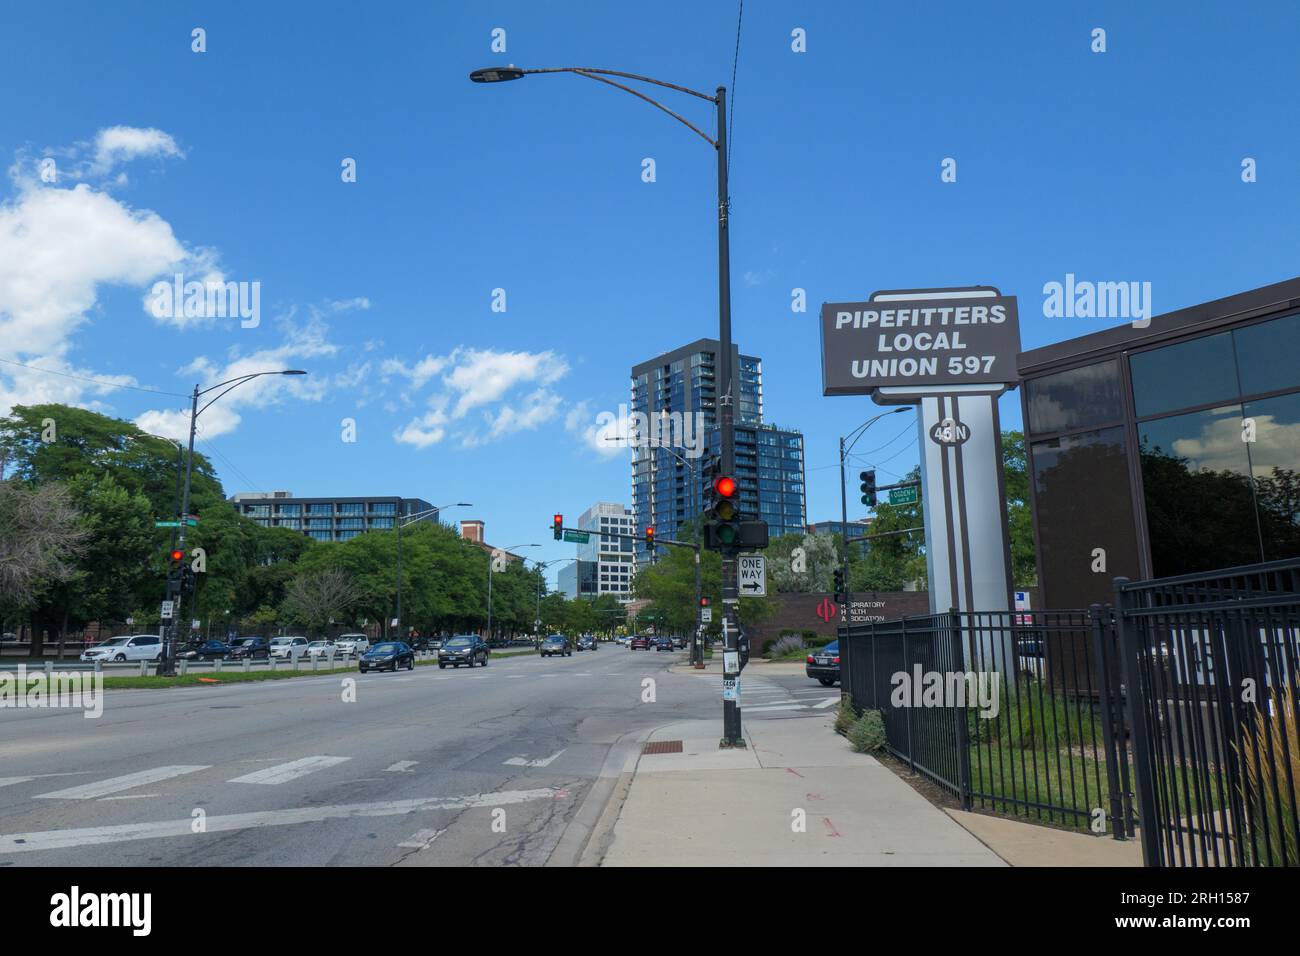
(650, 537)
(868, 487)
(840, 589)
(557, 526)
(722, 530)
(175, 570)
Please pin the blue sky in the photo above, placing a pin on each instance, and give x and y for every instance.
(1115, 166)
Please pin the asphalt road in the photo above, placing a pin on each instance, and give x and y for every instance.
(486, 766)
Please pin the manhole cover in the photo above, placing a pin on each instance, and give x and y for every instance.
(662, 747)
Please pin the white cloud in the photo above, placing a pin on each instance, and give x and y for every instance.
(606, 434)
(121, 144)
(483, 380)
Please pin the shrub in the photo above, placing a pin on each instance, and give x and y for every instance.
(786, 645)
(845, 716)
(867, 735)
(1267, 783)
(1033, 719)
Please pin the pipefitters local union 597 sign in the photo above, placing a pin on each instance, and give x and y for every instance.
(918, 343)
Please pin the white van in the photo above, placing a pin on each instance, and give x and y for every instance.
(134, 647)
(290, 648)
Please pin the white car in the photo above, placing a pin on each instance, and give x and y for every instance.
(352, 645)
(289, 648)
(134, 647)
(321, 649)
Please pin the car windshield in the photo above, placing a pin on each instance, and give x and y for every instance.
(320, 643)
(283, 640)
(458, 642)
(832, 648)
(115, 641)
(385, 648)
(555, 639)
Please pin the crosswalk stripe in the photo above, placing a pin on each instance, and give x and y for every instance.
(773, 707)
(402, 766)
(283, 773)
(826, 703)
(103, 788)
(90, 836)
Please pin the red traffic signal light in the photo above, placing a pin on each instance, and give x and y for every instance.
(704, 602)
(177, 556)
(650, 535)
(558, 526)
(725, 486)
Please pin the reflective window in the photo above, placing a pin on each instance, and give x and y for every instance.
(1084, 503)
(1075, 398)
(1275, 463)
(1267, 355)
(1179, 376)
(1196, 481)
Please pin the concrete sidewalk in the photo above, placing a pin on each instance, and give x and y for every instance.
(710, 807)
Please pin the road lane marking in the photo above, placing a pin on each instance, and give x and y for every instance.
(402, 766)
(523, 762)
(421, 839)
(91, 836)
(283, 773)
(103, 788)
(826, 703)
(130, 796)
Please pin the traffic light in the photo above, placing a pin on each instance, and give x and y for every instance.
(868, 487)
(840, 589)
(722, 531)
(558, 527)
(175, 569)
(704, 602)
(650, 537)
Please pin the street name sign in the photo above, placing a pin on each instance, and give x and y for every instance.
(902, 496)
(751, 575)
(577, 537)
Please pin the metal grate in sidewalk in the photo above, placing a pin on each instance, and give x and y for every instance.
(662, 747)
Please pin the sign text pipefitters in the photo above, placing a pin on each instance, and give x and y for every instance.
(918, 342)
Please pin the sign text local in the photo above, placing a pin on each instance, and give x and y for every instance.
(918, 342)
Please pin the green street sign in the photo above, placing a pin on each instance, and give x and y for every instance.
(902, 496)
(577, 537)
(166, 524)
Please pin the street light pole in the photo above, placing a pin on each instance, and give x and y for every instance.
(166, 662)
(731, 735)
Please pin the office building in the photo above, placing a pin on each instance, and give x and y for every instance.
(328, 519)
(604, 564)
(1166, 450)
(668, 488)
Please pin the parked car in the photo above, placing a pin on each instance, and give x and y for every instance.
(352, 645)
(621, 639)
(463, 649)
(639, 642)
(250, 648)
(663, 644)
(824, 664)
(134, 647)
(586, 643)
(288, 648)
(322, 649)
(435, 643)
(204, 651)
(387, 656)
(679, 642)
(556, 644)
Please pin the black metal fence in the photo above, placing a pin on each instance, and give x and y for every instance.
(1215, 716)
(1172, 715)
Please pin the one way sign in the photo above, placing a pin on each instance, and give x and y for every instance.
(751, 574)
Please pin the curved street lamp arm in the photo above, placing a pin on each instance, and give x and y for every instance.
(237, 382)
(627, 76)
(592, 74)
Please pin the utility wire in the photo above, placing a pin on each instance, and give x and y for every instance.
(96, 381)
(735, 59)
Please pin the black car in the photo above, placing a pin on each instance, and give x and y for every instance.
(467, 649)
(824, 664)
(250, 648)
(663, 644)
(556, 644)
(387, 656)
(586, 643)
(203, 651)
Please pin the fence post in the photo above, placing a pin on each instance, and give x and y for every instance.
(1148, 822)
(958, 659)
(907, 711)
(1112, 735)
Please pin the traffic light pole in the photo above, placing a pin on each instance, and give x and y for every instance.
(732, 735)
(167, 659)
